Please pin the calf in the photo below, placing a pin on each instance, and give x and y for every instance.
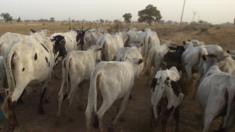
(166, 96)
(114, 80)
(76, 67)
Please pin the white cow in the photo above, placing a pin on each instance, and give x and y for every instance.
(8, 39)
(216, 93)
(76, 67)
(110, 45)
(135, 38)
(191, 56)
(127, 53)
(30, 60)
(114, 80)
(150, 46)
(165, 86)
(227, 64)
(90, 38)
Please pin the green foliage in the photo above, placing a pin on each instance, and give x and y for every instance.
(149, 14)
(7, 17)
(127, 17)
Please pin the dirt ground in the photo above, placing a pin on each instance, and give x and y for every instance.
(136, 117)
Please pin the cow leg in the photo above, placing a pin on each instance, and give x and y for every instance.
(229, 117)
(106, 104)
(74, 88)
(189, 71)
(164, 121)
(122, 108)
(43, 92)
(212, 110)
(177, 119)
(61, 97)
(9, 113)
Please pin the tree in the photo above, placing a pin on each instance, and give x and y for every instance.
(52, 19)
(149, 14)
(127, 17)
(18, 19)
(7, 17)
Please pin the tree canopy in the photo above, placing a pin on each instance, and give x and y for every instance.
(149, 14)
(127, 17)
(7, 17)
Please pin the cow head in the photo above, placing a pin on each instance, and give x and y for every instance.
(180, 49)
(80, 38)
(59, 46)
(206, 62)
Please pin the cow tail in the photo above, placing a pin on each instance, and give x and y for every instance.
(67, 69)
(64, 73)
(104, 51)
(8, 67)
(92, 97)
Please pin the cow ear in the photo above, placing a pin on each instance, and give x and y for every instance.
(62, 42)
(140, 61)
(167, 78)
(204, 57)
(184, 42)
(33, 31)
(98, 49)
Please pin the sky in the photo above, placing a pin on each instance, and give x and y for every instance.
(214, 11)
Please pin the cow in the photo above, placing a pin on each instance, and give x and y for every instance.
(150, 47)
(90, 38)
(127, 53)
(29, 61)
(166, 96)
(135, 38)
(76, 67)
(114, 80)
(191, 56)
(110, 45)
(7, 40)
(216, 93)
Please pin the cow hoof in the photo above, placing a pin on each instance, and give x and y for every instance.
(122, 119)
(80, 108)
(111, 129)
(71, 120)
(47, 101)
(20, 101)
(41, 112)
(220, 130)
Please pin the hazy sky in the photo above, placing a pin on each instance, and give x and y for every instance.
(215, 11)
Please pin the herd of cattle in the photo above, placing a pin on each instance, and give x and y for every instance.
(112, 62)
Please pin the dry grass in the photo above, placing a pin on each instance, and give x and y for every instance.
(137, 114)
(223, 35)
